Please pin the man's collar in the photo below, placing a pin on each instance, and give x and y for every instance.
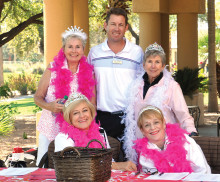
(105, 46)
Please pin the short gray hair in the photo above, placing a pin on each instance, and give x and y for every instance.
(154, 53)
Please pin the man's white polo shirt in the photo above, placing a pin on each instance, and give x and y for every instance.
(114, 74)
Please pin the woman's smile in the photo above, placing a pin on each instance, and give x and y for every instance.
(81, 116)
(155, 132)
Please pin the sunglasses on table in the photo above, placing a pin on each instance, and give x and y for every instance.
(150, 171)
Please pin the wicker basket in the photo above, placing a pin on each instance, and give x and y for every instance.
(83, 163)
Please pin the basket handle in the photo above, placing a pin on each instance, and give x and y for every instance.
(67, 149)
(95, 140)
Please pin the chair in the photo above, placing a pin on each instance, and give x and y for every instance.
(195, 113)
(218, 126)
(51, 148)
(47, 161)
(116, 147)
(211, 149)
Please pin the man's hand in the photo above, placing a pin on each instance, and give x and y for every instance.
(124, 166)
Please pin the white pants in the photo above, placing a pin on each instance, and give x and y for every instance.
(42, 147)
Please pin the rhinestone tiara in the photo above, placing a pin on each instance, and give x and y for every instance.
(74, 97)
(74, 31)
(156, 47)
(148, 108)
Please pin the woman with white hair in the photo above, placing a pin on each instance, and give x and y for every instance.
(68, 73)
(155, 87)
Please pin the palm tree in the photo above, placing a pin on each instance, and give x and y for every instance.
(213, 102)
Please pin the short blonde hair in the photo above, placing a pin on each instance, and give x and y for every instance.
(67, 110)
(147, 114)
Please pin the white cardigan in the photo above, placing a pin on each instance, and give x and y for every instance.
(194, 154)
(62, 141)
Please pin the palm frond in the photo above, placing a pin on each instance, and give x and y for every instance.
(189, 80)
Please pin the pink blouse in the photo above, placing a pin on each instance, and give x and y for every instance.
(47, 125)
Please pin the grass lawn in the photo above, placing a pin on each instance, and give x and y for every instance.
(25, 106)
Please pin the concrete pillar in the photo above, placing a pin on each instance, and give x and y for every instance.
(150, 29)
(58, 16)
(165, 35)
(81, 18)
(187, 40)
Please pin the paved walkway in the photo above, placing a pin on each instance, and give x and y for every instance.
(210, 124)
(17, 98)
(208, 130)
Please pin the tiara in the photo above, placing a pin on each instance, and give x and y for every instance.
(74, 31)
(148, 108)
(155, 47)
(74, 97)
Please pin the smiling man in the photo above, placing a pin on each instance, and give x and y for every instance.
(116, 62)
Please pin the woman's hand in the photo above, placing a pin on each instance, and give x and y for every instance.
(124, 166)
(55, 107)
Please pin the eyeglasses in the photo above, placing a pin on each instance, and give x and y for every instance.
(150, 171)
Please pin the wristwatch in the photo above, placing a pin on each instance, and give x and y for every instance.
(194, 134)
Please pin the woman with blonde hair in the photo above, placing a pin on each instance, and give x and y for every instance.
(79, 127)
(166, 147)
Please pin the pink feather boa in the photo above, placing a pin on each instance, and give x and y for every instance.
(64, 77)
(174, 154)
(81, 137)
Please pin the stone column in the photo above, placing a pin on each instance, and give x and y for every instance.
(165, 35)
(57, 17)
(187, 40)
(150, 29)
(81, 18)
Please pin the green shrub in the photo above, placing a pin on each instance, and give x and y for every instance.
(37, 109)
(38, 70)
(5, 91)
(20, 69)
(189, 80)
(6, 118)
(7, 70)
(23, 82)
(205, 87)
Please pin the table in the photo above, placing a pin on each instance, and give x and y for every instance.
(48, 175)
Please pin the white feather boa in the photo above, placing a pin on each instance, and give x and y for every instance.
(131, 129)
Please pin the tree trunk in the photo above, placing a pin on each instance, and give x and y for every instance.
(213, 102)
(1, 67)
(133, 33)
